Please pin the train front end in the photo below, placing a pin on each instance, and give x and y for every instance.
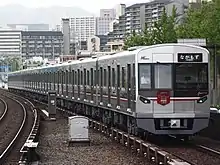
(173, 89)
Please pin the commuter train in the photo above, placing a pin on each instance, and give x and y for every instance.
(160, 89)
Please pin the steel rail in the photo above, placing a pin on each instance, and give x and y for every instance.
(33, 132)
(7, 150)
(5, 109)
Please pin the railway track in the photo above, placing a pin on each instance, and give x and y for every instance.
(208, 150)
(16, 128)
(3, 109)
(11, 127)
(192, 153)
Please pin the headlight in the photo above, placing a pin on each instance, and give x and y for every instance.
(144, 100)
(202, 100)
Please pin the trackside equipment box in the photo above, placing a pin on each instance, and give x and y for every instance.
(78, 129)
(52, 104)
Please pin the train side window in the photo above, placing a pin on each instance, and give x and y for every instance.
(101, 76)
(105, 77)
(70, 77)
(113, 77)
(88, 82)
(84, 77)
(123, 77)
(144, 76)
(81, 77)
(73, 77)
(76, 78)
(109, 76)
(92, 75)
(163, 76)
(95, 77)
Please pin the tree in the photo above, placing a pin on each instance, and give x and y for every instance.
(134, 40)
(202, 23)
(164, 29)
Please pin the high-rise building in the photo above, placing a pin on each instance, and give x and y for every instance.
(81, 28)
(103, 22)
(46, 44)
(10, 42)
(120, 10)
(116, 37)
(138, 15)
(66, 35)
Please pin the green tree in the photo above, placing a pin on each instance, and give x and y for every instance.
(164, 29)
(202, 23)
(134, 40)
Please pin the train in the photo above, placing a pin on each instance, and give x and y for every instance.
(161, 89)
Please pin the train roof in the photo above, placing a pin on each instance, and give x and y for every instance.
(130, 51)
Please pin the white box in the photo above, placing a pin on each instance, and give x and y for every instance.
(78, 129)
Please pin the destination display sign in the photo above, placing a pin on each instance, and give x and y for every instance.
(189, 57)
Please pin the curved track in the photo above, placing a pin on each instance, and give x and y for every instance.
(20, 119)
(29, 133)
(11, 127)
(3, 109)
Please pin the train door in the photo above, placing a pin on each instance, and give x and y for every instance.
(162, 70)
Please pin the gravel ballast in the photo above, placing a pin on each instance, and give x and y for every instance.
(53, 148)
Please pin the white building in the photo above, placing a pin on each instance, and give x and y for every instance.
(81, 28)
(141, 14)
(103, 21)
(10, 42)
(93, 44)
(120, 10)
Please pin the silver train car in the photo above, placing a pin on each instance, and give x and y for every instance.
(161, 89)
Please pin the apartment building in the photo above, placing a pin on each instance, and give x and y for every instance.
(116, 37)
(103, 21)
(10, 42)
(138, 15)
(46, 44)
(81, 28)
(120, 10)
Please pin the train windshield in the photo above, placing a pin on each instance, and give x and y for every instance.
(179, 77)
(191, 76)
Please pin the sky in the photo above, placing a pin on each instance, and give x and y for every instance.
(89, 5)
